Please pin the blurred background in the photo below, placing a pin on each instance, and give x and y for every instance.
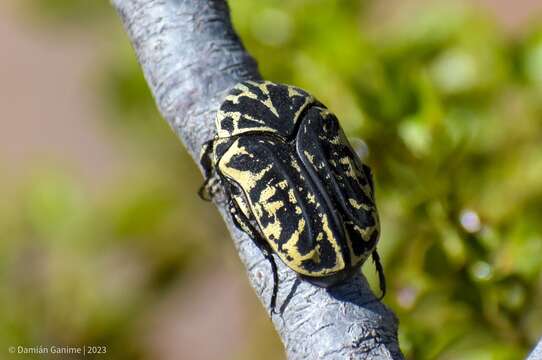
(103, 240)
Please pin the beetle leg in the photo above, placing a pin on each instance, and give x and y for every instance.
(271, 260)
(206, 160)
(210, 188)
(380, 271)
(244, 224)
(212, 183)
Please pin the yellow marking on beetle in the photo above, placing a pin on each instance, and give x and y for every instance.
(311, 198)
(336, 140)
(325, 113)
(353, 258)
(344, 160)
(259, 128)
(318, 256)
(236, 118)
(296, 166)
(308, 100)
(350, 168)
(356, 260)
(293, 91)
(263, 86)
(274, 206)
(243, 225)
(339, 263)
(357, 205)
(309, 157)
(220, 116)
(267, 193)
(282, 184)
(365, 232)
(257, 209)
(272, 231)
(251, 118)
(242, 205)
(291, 250)
(291, 245)
(246, 179)
(271, 107)
(245, 92)
(291, 196)
(270, 207)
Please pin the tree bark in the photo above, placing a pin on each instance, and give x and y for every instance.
(536, 354)
(191, 57)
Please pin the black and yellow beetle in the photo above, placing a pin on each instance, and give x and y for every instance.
(293, 182)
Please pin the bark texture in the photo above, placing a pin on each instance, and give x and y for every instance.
(191, 56)
(536, 354)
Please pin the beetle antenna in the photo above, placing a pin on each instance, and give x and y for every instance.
(380, 271)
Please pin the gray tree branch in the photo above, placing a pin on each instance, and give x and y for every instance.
(191, 56)
(536, 354)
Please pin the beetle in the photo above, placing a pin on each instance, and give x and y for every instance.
(293, 182)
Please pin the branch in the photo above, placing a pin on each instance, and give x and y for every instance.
(536, 354)
(191, 56)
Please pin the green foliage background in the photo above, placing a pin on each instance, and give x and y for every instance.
(450, 108)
